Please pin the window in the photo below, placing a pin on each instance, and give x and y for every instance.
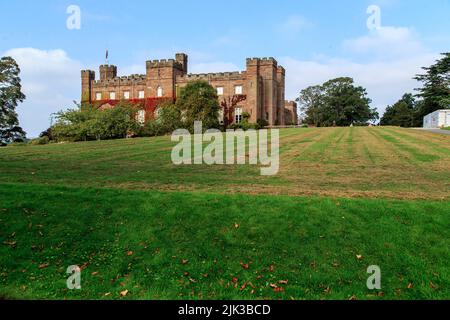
(112, 96)
(141, 116)
(159, 92)
(238, 90)
(220, 91)
(238, 115)
(98, 96)
(126, 95)
(141, 94)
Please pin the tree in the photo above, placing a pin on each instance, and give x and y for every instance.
(89, 123)
(10, 96)
(198, 101)
(228, 105)
(338, 102)
(311, 103)
(169, 117)
(402, 113)
(436, 87)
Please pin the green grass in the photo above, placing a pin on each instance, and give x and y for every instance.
(446, 128)
(122, 210)
(311, 242)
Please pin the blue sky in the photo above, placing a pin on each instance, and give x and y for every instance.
(314, 40)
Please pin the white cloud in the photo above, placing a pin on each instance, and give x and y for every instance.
(386, 42)
(392, 57)
(50, 80)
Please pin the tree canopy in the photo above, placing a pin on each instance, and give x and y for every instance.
(10, 96)
(403, 113)
(435, 91)
(337, 102)
(198, 101)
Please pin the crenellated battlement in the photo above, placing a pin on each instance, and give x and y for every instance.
(124, 80)
(213, 76)
(164, 63)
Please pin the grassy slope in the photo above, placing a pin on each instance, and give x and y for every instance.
(54, 209)
(346, 162)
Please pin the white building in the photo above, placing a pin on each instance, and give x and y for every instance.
(437, 119)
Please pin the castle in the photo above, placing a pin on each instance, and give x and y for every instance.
(262, 86)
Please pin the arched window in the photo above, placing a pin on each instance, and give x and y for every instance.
(159, 92)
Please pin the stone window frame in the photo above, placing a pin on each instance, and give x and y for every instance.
(126, 95)
(141, 94)
(238, 89)
(159, 92)
(220, 91)
(112, 95)
(98, 96)
(238, 111)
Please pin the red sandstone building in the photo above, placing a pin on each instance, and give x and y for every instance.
(262, 85)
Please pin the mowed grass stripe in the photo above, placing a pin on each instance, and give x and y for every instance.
(351, 162)
(419, 140)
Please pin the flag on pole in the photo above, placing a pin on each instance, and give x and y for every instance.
(107, 55)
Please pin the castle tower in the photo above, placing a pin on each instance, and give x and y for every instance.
(182, 59)
(161, 77)
(281, 79)
(108, 72)
(268, 71)
(254, 89)
(87, 77)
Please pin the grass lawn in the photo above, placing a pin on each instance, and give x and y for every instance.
(136, 222)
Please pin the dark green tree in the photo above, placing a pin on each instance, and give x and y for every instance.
(198, 101)
(10, 96)
(435, 91)
(337, 102)
(402, 113)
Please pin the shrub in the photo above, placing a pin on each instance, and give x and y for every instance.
(40, 141)
(262, 123)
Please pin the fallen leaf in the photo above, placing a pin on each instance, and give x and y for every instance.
(129, 253)
(410, 286)
(432, 285)
(283, 281)
(278, 289)
(236, 226)
(184, 261)
(192, 280)
(94, 273)
(244, 286)
(107, 294)
(124, 293)
(272, 285)
(235, 280)
(359, 257)
(43, 266)
(245, 265)
(353, 298)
